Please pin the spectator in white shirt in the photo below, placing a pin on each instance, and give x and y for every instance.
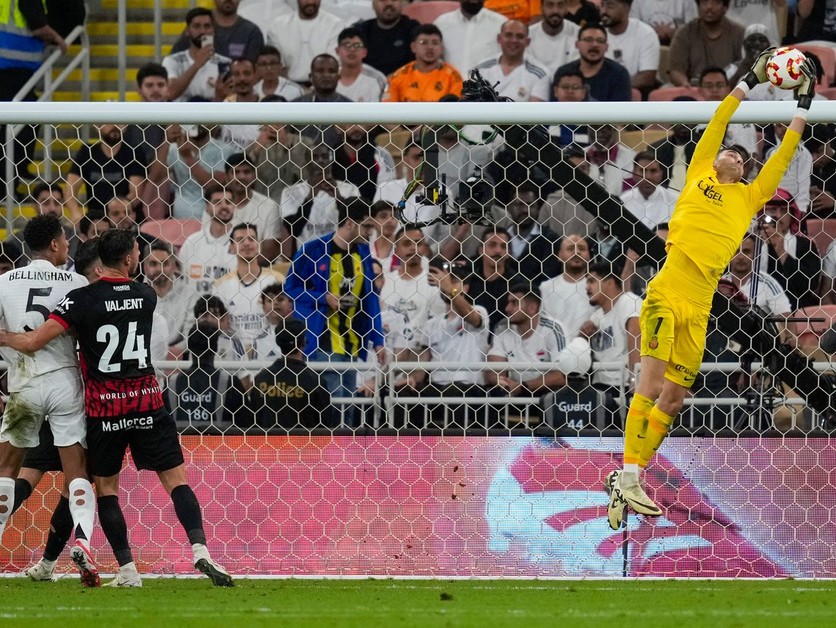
(528, 338)
(380, 230)
(665, 16)
(302, 35)
(270, 79)
(309, 207)
(514, 74)
(459, 336)
(251, 206)
(358, 82)
(648, 200)
(469, 34)
(765, 291)
(564, 297)
(205, 255)
(176, 295)
(277, 308)
(613, 328)
(796, 181)
(198, 70)
(553, 38)
(632, 43)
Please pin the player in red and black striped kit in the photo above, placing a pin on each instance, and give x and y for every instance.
(123, 401)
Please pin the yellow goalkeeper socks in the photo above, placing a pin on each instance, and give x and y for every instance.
(659, 424)
(636, 428)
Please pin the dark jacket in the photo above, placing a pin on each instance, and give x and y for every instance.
(288, 394)
(799, 276)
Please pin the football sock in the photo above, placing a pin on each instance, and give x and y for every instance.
(7, 500)
(659, 424)
(82, 508)
(635, 429)
(188, 512)
(115, 528)
(60, 530)
(22, 492)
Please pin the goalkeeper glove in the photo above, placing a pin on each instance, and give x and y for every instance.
(807, 89)
(757, 74)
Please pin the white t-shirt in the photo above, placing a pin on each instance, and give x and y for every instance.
(261, 211)
(610, 342)
(323, 216)
(177, 308)
(27, 297)
(637, 48)
(654, 210)
(203, 82)
(264, 345)
(367, 87)
(528, 80)
(451, 339)
(613, 173)
(299, 41)
(670, 12)
(205, 258)
(828, 264)
(770, 297)
(544, 344)
(746, 12)
(413, 299)
(244, 303)
(567, 302)
(468, 41)
(287, 89)
(796, 180)
(554, 51)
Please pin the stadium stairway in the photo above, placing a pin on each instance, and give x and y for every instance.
(102, 28)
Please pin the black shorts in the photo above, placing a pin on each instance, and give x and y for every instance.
(153, 439)
(45, 456)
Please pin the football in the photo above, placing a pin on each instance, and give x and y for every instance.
(784, 68)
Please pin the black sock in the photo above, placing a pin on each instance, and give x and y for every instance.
(22, 492)
(115, 528)
(188, 512)
(60, 529)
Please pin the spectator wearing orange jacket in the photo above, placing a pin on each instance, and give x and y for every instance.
(428, 78)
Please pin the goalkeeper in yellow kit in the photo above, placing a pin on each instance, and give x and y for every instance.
(712, 214)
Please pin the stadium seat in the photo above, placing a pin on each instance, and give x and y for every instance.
(826, 55)
(640, 140)
(174, 231)
(809, 332)
(822, 231)
(669, 93)
(426, 12)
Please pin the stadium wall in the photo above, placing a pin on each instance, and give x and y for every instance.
(476, 506)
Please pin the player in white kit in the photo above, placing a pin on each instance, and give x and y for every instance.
(46, 382)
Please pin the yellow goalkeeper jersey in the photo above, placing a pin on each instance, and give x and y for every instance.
(711, 218)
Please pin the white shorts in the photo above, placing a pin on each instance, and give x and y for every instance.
(59, 395)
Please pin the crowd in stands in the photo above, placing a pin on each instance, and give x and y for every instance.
(295, 257)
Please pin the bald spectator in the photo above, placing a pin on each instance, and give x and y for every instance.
(553, 38)
(514, 74)
(469, 34)
(388, 36)
(664, 16)
(303, 34)
(235, 36)
(711, 39)
(606, 79)
(196, 71)
(429, 78)
(632, 43)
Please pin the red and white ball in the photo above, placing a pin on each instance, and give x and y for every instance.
(784, 68)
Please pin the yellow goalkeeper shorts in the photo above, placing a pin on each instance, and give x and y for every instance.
(673, 330)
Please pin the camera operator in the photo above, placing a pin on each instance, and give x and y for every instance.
(786, 254)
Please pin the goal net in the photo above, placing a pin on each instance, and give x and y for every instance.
(401, 340)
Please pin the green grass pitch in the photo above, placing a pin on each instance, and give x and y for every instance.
(432, 603)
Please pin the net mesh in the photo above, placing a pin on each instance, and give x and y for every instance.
(472, 272)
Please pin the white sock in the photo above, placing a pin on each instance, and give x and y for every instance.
(82, 508)
(200, 551)
(49, 564)
(128, 568)
(7, 501)
(633, 468)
